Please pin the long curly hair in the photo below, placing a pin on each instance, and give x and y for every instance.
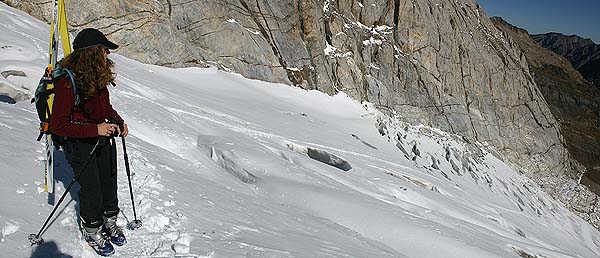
(92, 71)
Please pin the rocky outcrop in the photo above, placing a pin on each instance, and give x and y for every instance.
(440, 63)
(10, 92)
(572, 99)
(583, 54)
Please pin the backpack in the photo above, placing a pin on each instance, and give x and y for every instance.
(42, 94)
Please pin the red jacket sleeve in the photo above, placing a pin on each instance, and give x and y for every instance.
(60, 120)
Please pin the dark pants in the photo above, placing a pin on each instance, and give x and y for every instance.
(98, 193)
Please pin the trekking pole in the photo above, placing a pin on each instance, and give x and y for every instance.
(36, 239)
(136, 223)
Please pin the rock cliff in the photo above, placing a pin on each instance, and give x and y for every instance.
(436, 62)
(572, 99)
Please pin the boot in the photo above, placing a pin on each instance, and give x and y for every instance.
(113, 231)
(96, 239)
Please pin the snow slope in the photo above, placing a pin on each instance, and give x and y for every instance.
(228, 167)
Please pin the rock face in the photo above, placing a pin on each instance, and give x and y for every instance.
(572, 100)
(11, 92)
(436, 62)
(582, 53)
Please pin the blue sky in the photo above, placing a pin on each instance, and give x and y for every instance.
(580, 17)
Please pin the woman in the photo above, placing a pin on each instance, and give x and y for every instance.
(80, 114)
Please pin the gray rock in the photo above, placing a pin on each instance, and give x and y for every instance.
(7, 99)
(5, 74)
(11, 93)
(328, 158)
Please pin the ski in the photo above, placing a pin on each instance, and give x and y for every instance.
(49, 166)
(58, 31)
(63, 28)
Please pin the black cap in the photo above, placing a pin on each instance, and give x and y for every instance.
(92, 37)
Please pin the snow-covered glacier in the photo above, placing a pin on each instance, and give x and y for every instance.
(230, 167)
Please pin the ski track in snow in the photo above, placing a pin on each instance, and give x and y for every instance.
(225, 167)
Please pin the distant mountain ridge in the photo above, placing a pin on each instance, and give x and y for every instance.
(583, 53)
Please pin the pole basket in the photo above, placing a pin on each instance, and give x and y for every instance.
(35, 239)
(135, 224)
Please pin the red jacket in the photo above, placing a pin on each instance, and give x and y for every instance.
(78, 122)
